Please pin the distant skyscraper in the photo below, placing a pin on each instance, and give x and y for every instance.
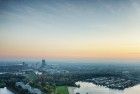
(24, 65)
(43, 63)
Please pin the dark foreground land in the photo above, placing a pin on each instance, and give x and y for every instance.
(53, 78)
(114, 76)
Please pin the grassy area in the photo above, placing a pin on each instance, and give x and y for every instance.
(61, 90)
(2, 84)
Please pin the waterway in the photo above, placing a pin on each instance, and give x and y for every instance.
(5, 91)
(90, 88)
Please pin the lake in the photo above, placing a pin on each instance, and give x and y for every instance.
(5, 91)
(90, 88)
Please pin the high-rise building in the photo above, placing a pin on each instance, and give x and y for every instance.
(24, 65)
(43, 63)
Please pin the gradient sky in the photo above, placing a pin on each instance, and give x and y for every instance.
(95, 29)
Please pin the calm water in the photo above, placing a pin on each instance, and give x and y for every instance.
(5, 91)
(90, 88)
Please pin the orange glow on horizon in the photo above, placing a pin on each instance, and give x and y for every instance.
(95, 53)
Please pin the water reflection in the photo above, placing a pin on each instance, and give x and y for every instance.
(133, 90)
(90, 88)
(5, 91)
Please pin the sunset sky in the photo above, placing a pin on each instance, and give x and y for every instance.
(95, 29)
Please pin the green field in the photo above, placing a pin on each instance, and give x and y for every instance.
(61, 90)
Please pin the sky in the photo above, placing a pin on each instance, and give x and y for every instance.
(91, 29)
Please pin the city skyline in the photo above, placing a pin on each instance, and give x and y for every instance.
(90, 29)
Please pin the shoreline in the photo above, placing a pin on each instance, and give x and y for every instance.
(12, 90)
(71, 89)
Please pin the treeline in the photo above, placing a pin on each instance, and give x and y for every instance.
(82, 75)
(9, 81)
(16, 89)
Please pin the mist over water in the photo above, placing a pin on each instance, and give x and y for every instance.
(90, 88)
